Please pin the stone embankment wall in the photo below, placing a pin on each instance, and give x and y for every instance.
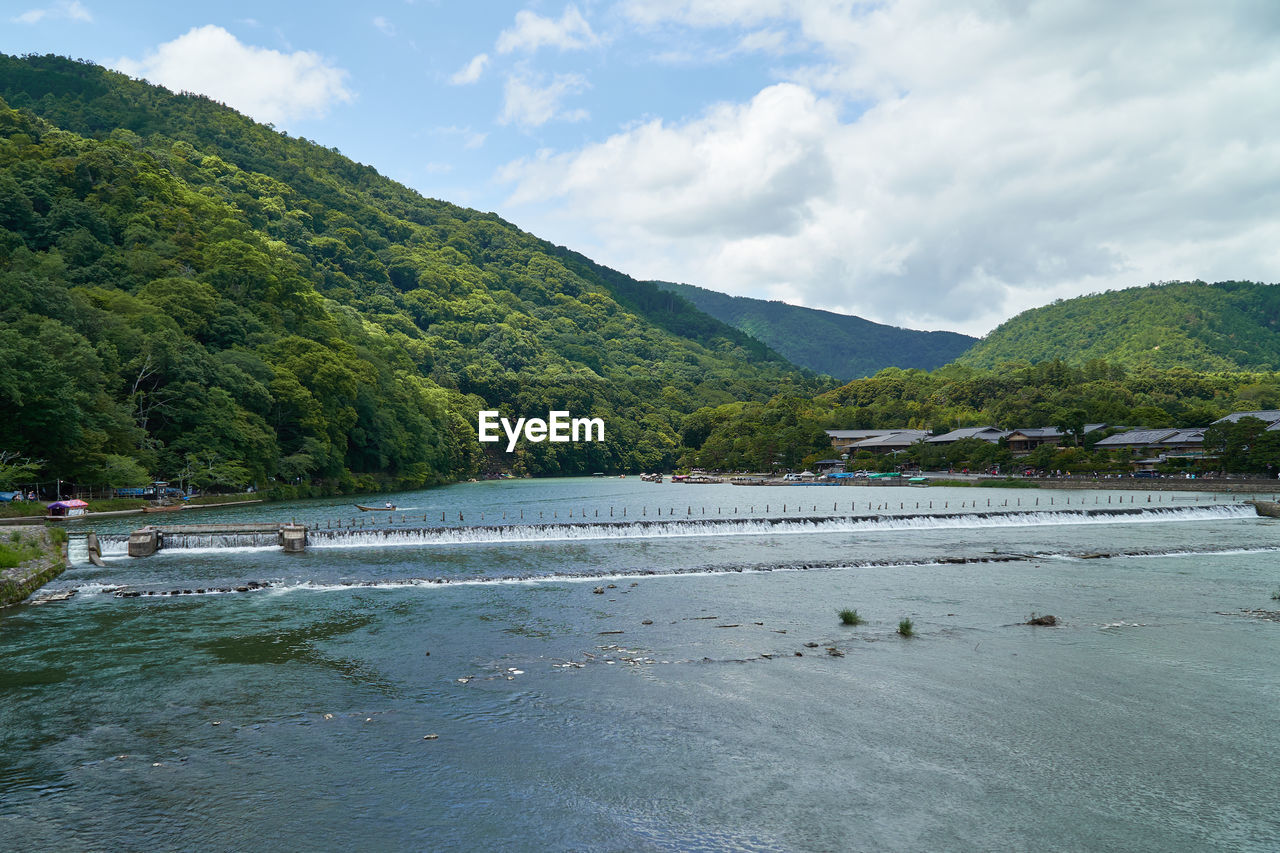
(19, 582)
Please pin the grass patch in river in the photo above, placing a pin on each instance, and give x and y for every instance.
(850, 617)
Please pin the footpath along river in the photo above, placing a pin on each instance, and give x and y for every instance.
(674, 686)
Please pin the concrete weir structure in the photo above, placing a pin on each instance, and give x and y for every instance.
(293, 538)
(1266, 509)
(145, 541)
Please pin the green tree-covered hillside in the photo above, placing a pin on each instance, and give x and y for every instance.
(789, 430)
(839, 345)
(1230, 325)
(184, 292)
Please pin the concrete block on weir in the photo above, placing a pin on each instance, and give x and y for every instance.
(144, 542)
(1266, 509)
(293, 538)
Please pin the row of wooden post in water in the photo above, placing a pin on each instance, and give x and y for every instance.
(372, 518)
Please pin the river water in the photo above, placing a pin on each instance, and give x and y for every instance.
(560, 683)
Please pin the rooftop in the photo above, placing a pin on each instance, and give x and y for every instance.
(1038, 432)
(898, 438)
(1139, 437)
(985, 433)
(1185, 436)
(1271, 416)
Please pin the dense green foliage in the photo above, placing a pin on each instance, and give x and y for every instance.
(789, 431)
(1243, 446)
(185, 293)
(838, 345)
(16, 547)
(1231, 325)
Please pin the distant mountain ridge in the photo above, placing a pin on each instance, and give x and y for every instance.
(839, 345)
(1226, 326)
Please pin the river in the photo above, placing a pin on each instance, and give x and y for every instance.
(536, 679)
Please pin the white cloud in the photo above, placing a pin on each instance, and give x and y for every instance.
(946, 164)
(266, 84)
(471, 139)
(739, 172)
(470, 73)
(532, 31)
(61, 10)
(384, 26)
(527, 104)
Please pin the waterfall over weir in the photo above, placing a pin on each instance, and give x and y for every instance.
(209, 539)
(117, 544)
(532, 533)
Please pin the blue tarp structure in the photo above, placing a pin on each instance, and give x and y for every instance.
(5, 497)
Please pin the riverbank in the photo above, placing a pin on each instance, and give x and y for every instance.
(208, 502)
(38, 555)
(1258, 487)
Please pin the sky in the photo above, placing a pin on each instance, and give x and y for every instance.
(934, 164)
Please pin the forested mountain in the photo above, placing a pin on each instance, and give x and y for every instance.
(1230, 325)
(839, 345)
(184, 292)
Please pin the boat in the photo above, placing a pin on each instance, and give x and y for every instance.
(168, 508)
(388, 507)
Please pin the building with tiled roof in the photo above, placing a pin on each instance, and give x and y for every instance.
(983, 433)
(1270, 416)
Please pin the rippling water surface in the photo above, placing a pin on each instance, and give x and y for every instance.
(559, 683)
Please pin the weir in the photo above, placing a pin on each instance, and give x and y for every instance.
(294, 538)
(145, 541)
(675, 528)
